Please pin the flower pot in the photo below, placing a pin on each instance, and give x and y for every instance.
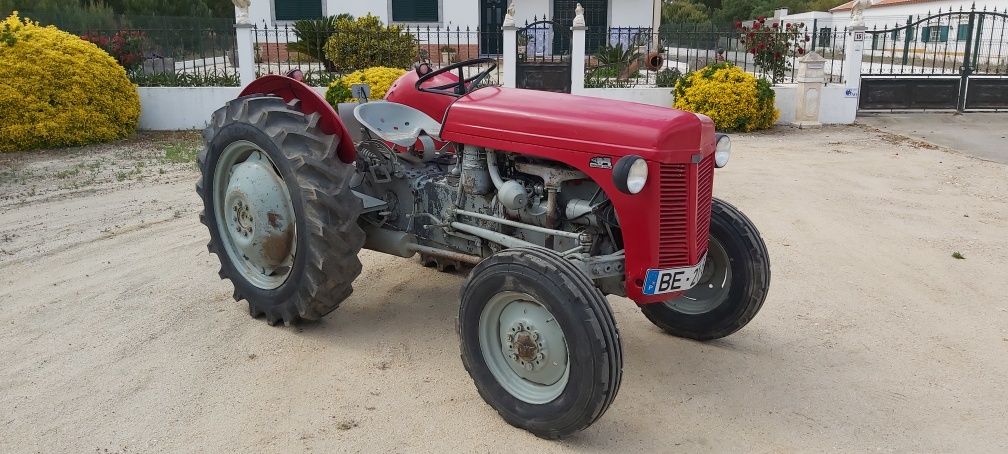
(447, 57)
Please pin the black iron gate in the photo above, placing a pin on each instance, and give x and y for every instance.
(956, 60)
(541, 64)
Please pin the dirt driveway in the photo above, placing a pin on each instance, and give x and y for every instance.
(117, 336)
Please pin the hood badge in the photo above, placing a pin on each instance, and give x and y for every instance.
(600, 162)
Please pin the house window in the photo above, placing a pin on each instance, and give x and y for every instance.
(825, 33)
(297, 9)
(935, 34)
(962, 33)
(415, 11)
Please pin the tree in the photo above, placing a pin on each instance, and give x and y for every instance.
(684, 12)
(732, 10)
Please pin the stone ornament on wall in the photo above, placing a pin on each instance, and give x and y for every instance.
(243, 10)
(857, 12)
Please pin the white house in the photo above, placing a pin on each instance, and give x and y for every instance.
(486, 14)
(946, 31)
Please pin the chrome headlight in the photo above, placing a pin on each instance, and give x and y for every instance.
(630, 174)
(723, 151)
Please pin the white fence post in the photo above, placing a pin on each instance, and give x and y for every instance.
(510, 58)
(578, 31)
(245, 52)
(853, 51)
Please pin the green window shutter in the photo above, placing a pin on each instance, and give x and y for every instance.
(910, 34)
(943, 34)
(414, 10)
(962, 34)
(925, 34)
(895, 35)
(297, 9)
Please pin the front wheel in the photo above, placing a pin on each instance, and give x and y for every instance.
(731, 291)
(539, 341)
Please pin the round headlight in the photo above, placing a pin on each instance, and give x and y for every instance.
(630, 174)
(723, 151)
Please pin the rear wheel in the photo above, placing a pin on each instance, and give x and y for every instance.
(281, 215)
(539, 341)
(734, 285)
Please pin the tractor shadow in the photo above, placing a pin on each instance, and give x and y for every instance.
(402, 316)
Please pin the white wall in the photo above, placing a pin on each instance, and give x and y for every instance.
(834, 108)
(785, 97)
(174, 108)
(662, 97)
(631, 13)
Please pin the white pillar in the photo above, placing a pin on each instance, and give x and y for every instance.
(578, 29)
(853, 51)
(811, 79)
(510, 57)
(578, 58)
(246, 53)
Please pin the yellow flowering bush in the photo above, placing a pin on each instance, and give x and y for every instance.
(379, 78)
(57, 90)
(733, 98)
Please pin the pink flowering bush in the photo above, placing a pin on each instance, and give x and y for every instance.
(125, 46)
(773, 45)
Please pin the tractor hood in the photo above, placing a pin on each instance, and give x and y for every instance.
(513, 119)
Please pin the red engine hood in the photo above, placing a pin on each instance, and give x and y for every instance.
(494, 115)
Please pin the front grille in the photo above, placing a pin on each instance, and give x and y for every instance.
(705, 190)
(683, 188)
(673, 211)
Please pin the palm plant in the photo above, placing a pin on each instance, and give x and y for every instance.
(312, 35)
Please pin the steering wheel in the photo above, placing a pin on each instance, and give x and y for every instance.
(464, 85)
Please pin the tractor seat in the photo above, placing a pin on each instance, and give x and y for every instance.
(396, 123)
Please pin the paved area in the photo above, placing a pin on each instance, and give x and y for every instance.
(982, 135)
(116, 335)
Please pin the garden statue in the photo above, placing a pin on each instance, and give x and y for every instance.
(509, 16)
(243, 9)
(857, 12)
(579, 20)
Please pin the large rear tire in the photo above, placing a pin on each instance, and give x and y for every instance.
(281, 215)
(734, 285)
(539, 341)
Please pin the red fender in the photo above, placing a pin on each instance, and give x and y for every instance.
(311, 102)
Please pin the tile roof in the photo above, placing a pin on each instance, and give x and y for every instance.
(850, 5)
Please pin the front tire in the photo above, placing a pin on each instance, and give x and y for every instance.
(539, 341)
(281, 215)
(735, 282)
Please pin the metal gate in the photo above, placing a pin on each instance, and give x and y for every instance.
(541, 64)
(956, 60)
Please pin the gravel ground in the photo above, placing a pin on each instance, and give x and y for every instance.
(118, 337)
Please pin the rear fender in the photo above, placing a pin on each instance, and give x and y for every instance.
(311, 102)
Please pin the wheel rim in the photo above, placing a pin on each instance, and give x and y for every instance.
(254, 214)
(524, 347)
(713, 287)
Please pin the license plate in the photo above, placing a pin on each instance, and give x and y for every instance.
(673, 279)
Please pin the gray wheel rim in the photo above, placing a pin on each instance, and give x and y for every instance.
(714, 285)
(524, 347)
(254, 214)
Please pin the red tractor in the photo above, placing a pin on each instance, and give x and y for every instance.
(558, 200)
